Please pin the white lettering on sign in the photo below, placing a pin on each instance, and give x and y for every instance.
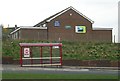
(26, 52)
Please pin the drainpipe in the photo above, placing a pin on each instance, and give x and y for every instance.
(47, 34)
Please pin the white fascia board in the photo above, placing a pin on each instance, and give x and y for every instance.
(28, 28)
(67, 10)
(82, 15)
(15, 31)
(102, 28)
(33, 27)
(57, 15)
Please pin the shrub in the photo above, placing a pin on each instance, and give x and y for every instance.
(71, 50)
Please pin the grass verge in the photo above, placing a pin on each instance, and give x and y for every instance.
(56, 76)
(71, 50)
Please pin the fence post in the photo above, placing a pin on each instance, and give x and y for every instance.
(61, 55)
(51, 55)
(21, 56)
(41, 55)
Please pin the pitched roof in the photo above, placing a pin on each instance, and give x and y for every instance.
(61, 12)
(27, 28)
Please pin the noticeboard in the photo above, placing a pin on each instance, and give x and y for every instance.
(80, 29)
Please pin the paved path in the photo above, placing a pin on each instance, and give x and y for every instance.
(63, 70)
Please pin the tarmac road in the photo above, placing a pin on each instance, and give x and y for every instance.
(63, 70)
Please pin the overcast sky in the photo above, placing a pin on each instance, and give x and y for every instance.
(104, 13)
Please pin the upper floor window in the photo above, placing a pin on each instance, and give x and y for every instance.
(57, 23)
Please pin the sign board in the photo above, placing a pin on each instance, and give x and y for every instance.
(57, 23)
(68, 27)
(55, 46)
(118, 23)
(80, 29)
(26, 52)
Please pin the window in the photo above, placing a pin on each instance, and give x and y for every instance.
(68, 27)
(57, 23)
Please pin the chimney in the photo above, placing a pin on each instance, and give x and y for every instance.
(15, 26)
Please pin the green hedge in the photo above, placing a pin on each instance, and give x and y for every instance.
(71, 50)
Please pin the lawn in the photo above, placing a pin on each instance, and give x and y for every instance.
(56, 76)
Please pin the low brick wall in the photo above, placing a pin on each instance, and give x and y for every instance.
(90, 63)
(94, 63)
(7, 60)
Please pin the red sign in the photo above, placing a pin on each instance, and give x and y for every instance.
(26, 52)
